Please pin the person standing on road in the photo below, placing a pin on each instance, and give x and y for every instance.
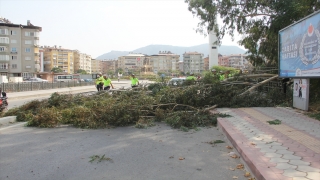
(134, 81)
(107, 83)
(99, 82)
(191, 77)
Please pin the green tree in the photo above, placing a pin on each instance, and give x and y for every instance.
(57, 70)
(81, 71)
(258, 21)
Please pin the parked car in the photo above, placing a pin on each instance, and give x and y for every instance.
(176, 81)
(36, 80)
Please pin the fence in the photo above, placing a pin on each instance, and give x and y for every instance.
(35, 86)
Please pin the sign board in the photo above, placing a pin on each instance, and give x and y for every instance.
(299, 48)
(301, 94)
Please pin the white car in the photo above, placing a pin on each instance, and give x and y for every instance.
(176, 81)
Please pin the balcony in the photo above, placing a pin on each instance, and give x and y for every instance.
(4, 70)
(4, 60)
(13, 52)
(36, 38)
(4, 44)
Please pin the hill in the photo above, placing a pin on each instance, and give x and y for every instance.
(154, 49)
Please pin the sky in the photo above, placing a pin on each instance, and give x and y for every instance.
(96, 27)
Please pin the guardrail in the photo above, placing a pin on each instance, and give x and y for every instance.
(35, 86)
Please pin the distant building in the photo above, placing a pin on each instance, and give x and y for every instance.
(82, 61)
(58, 57)
(109, 66)
(96, 66)
(181, 66)
(19, 49)
(165, 61)
(206, 63)
(193, 62)
(238, 61)
(131, 62)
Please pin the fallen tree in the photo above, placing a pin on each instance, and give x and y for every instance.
(182, 107)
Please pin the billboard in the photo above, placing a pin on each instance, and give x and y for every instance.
(299, 48)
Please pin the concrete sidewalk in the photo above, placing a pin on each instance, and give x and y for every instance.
(288, 151)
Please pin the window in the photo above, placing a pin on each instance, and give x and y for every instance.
(4, 57)
(13, 32)
(27, 42)
(29, 33)
(14, 57)
(14, 49)
(3, 65)
(14, 66)
(4, 31)
(2, 48)
(4, 40)
(13, 41)
(28, 50)
(27, 58)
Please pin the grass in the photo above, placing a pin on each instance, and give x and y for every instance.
(274, 122)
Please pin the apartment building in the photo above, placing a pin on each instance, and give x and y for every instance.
(181, 66)
(109, 66)
(96, 66)
(82, 61)
(223, 61)
(19, 49)
(206, 63)
(165, 61)
(58, 57)
(193, 62)
(238, 61)
(131, 62)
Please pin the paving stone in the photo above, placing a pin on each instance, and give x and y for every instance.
(313, 175)
(267, 150)
(291, 157)
(285, 166)
(300, 178)
(299, 162)
(304, 168)
(272, 155)
(294, 173)
(284, 152)
(278, 160)
(262, 146)
(310, 159)
(279, 147)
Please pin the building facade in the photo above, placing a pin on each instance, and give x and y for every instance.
(82, 61)
(238, 61)
(58, 57)
(110, 67)
(165, 61)
(131, 62)
(193, 62)
(206, 63)
(19, 49)
(96, 66)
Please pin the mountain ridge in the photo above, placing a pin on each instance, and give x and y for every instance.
(180, 50)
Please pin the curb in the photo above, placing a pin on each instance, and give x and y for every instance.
(8, 120)
(245, 156)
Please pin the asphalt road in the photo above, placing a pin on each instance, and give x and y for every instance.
(131, 154)
(155, 153)
(19, 102)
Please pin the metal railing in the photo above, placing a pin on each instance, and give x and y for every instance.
(35, 86)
